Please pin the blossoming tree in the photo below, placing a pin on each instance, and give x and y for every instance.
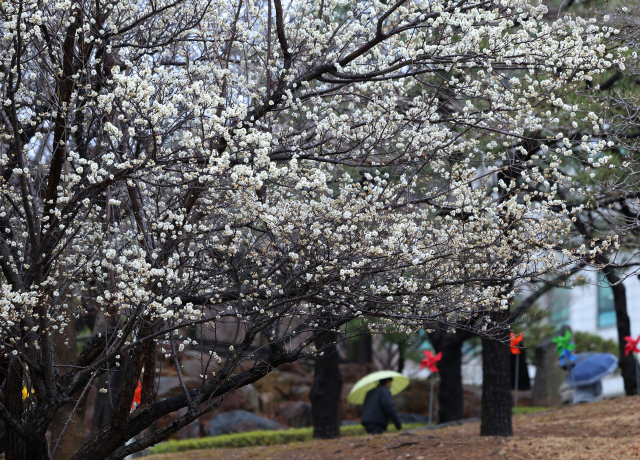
(280, 168)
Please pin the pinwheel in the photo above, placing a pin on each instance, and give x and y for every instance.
(515, 350)
(564, 343)
(567, 357)
(565, 347)
(137, 395)
(515, 340)
(430, 361)
(632, 347)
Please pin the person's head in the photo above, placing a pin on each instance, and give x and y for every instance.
(386, 383)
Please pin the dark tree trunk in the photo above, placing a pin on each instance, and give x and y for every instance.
(496, 383)
(450, 394)
(15, 446)
(627, 363)
(363, 349)
(326, 390)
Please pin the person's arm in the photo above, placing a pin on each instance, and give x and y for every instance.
(389, 407)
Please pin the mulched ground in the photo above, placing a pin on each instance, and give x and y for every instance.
(605, 430)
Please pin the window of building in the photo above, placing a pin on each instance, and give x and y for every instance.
(606, 308)
(559, 306)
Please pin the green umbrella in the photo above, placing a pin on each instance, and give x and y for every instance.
(360, 389)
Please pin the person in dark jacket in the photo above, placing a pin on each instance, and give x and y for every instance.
(378, 408)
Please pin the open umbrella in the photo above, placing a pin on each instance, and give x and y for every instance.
(592, 369)
(362, 387)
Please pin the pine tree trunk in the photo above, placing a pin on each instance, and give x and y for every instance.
(496, 384)
(326, 390)
(627, 364)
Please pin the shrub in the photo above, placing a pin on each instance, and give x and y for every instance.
(256, 438)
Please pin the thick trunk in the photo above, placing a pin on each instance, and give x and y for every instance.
(496, 384)
(627, 363)
(450, 394)
(14, 446)
(363, 349)
(326, 390)
(72, 439)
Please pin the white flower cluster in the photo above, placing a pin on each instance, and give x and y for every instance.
(203, 166)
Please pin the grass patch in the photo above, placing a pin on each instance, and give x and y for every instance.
(257, 438)
(528, 410)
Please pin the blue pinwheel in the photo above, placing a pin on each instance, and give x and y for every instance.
(567, 357)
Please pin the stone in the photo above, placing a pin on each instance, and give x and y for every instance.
(300, 392)
(276, 382)
(268, 403)
(239, 421)
(170, 386)
(296, 414)
(549, 374)
(251, 398)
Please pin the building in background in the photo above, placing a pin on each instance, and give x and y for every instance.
(590, 308)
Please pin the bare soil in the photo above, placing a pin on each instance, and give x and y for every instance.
(605, 430)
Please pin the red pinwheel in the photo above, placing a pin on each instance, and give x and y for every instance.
(136, 397)
(430, 361)
(515, 340)
(631, 345)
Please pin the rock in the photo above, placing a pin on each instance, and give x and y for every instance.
(268, 403)
(278, 383)
(170, 386)
(239, 421)
(415, 398)
(549, 374)
(294, 413)
(251, 399)
(412, 418)
(300, 392)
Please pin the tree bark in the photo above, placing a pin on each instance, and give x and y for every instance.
(15, 446)
(73, 436)
(326, 389)
(627, 364)
(450, 394)
(364, 349)
(496, 383)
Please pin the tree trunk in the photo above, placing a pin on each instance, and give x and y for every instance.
(14, 446)
(72, 439)
(496, 383)
(363, 349)
(627, 363)
(326, 390)
(450, 394)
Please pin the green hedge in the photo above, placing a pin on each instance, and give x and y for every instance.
(256, 438)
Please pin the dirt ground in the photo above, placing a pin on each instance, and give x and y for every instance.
(605, 430)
